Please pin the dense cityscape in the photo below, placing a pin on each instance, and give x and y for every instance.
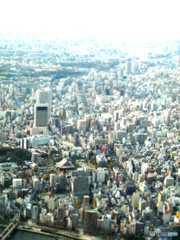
(90, 138)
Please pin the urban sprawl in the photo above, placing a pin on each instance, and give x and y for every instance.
(89, 138)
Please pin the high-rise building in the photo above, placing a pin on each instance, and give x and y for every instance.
(62, 182)
(42, 111)
(129, 66)
(24, 143)
(101, 175)
(90, 220)
(35, 212)
(141, 137)
(75, 218)
(36, 184)
(135, 200)
(41, 115)
(80, 185)
(52, 180)
(81, 125)
(42, 97)
(43, 214)
(51, 204)
(86, 200)
(61, 214)
(3, 204)
(136, 228)
(130, 188)
(116, 115)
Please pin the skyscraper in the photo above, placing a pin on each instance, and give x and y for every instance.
(24, 143)
(52, 180)
(90, 220)
(42, 112)
(3, 204)
(41, 115)
(128, 66)
(44, 97)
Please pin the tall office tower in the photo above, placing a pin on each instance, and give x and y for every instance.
(129, 66)
(86, 200)
(42, 97)
(24, 143)
(1, 94)
(135, 66)
(135, 200)
(116, 115)
(36, 184)
(81, 125)
(62, 182)
(41, 115)
(52, 180)
(42, 216)
(3, 204)
(90, 220)
(35, 212)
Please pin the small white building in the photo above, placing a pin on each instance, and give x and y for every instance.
(101, 175)
(17, 182)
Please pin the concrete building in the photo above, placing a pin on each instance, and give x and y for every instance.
(43, 97)
(17, 182)
(169, 181)
(128, 66)
(3, 204)
(35, 212)
(41, 117)
(25, 143)
(90, 220)
(36, 184)
(53, 180)
(81, 125)
(80, 183)
(101, 175)
(135, 200)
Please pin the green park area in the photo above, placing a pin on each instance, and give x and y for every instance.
(15, 155)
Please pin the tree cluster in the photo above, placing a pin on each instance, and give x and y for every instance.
(17, 155)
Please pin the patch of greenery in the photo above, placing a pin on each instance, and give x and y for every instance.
(16, 155)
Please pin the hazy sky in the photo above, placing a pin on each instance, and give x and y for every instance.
(127, 20)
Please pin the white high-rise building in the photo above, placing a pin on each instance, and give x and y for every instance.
(36, 184)
(42, 112)
(43, 214)
(128, 66)
(51, 204)
(52, 180)
(24, 143)
(101, 175)
(135, 200)
(43, 97)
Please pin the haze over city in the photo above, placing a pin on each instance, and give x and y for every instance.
(125, 20)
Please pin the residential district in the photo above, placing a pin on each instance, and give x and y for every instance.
(90, 138)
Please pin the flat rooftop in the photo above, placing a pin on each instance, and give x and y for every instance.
(8, 166)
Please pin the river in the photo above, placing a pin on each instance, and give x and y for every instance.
(29, 236)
